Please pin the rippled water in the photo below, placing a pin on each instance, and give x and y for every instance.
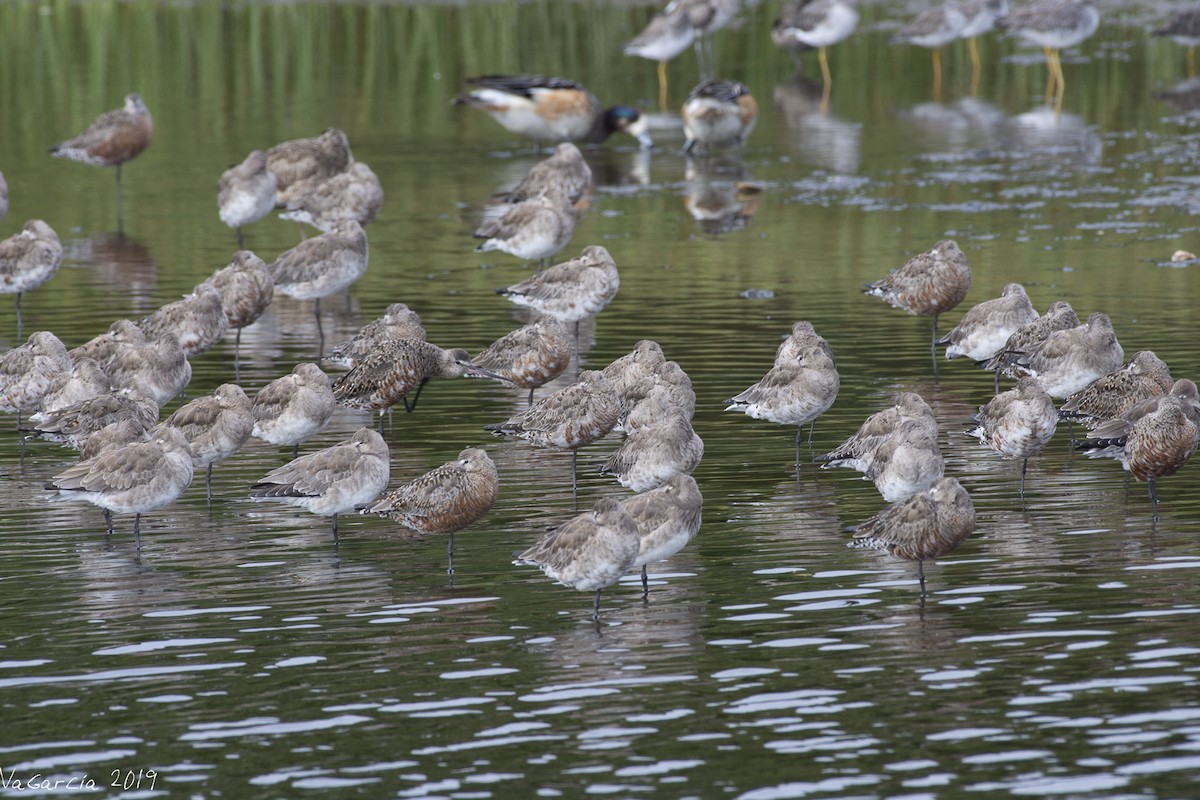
(241, 654)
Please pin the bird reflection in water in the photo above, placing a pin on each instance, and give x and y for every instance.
(818, 137)
(119, 262)
(717, 196)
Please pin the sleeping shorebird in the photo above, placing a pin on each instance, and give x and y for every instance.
(27, 260)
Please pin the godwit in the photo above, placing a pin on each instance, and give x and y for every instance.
(910, 411)
(246, 193)
(1017, 423)
(74, 425)
(719, 114)
(629, 369)
(571, 418)
(136, 478)
(660, 443)
(1068, 360)
(398, 322)
(332, 481)
(533, 229)
(215, 426)
(300, 165)
(927, 525)
(85, 380)
(928, 284)
(1107, 439)
(799, 388)
(121, 334)
(1162, 441)
(1054, 25)
(667, 388)
(590, 551)
(572, 290)
(27, 260)
(985, 328)
(529, 357)
(198, 321)
(112, 139)
(246, 289)
(1183, 28)
(667, 519)
(446, 499)
(1111, 395)
(907, 462)
(819, 24)
(1059, 316)
(354, 194)
(934, 28)
(26, 372)
(157, 367)
(323, 265)
(111, 437)
(395, 368)
(565, 170)
(551, 110)
(290, 409)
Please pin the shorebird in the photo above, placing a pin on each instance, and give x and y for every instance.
(551, 110)
(671, 30)
(571, 418)
(395, 368)
(83, 381)
(533, 229)
(799, 388)
(446, 499)
(1068, 360)
(300, 165)
(1111, 395)
(529, 357)
(1017, 423)
(27, 260)
(590, 551)
(198, 321)
(934, 28)
(215, 426)
(718, 114)
(246, 288)
(354, 194)
(928, 284)
(121, 334)
(111, 437)
(667, 519)
(668, 387)
(819, 24)
(158, 367)
(984, 329)
(1183, 28)
(112, 139)
(632, 374)
(246, 193)
(572, 290)
(290, 409)
(323, 265)
(26, 372)
(398, 322)
(139, 477)
(332, 481)
(927, 525)
(660, 443)
(1162, 441)
(565, 170)
(907, 462)
(910, 412)
(75, 424)
(1054, 25)
(982, 16)
(1059, 316)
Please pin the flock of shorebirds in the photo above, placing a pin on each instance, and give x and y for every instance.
(104, 396)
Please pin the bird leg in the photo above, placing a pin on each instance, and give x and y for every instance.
(137, 530)
(1024, 467)
(108, 522)
(208, 483)
(574, 485)
(921, 575)
(239, 235)
(973, 50)
(120, 228)
(596, 607)
(237, 347)
(18, 318)
(662, 86)
(450, 555)
(1154, 499)
(1049, 72)
(413, 407)
(645, 584)
(937, 75)
(335, 531)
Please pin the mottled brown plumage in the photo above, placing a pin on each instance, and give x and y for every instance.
(910, 410)
(28, 259)
(393, 370)
(121, 334)
(215, 426)
(986, 327)
(73, 425)
(26, 372)
(718, 114)
(246, 289)
(928, 284)
(1161, 442)
(1145, 376)
(1059, 316)
(354, 194)
(246, 192)
(572, 290)
(565, 171)
(198, 321)
(660, 443)
(398, 322)
(157, 367)
(1018, 423)
(1068, 360)
(83, 381)
(667, 518)
(300, 165)
(531, 356)
(533, 229)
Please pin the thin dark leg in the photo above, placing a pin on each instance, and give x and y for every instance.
(531, 397)
(933, 348)
(921, 575)
(413, 406)
(574, 485)
(137, 531)
(208, 483)
(596, 607)
(577, 347)
(320, 330)
(295, 451)
(996, 381)
(18, 316)
(1024, 467)
(1154, 499)
(799, 434)
(120, 227)
(450, 555)
(237, 349)
(19, 413)
(239, 233)
(335, 531)
(645, 584)
(108, 522)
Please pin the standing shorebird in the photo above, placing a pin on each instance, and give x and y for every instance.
(1162, 441)
(982, 16)
(1145, 376)
(719, 114)
(158, 367)
(139, 477)
(1059, 316)
(533, 229)
(121, 334)
(819, 24)
(27, 260)
(984, 329)
(529, 357)
(660, 444)
(398, 322)
(290, 409)
(671, 30)
(1017, 423)
(907, 462)
(934, 28)
(198, 321)
(927, 285)
(1054, 25)
(1184, 28)
(246, 193)
(571, 418)
(76, 424)
(910, 412)
(446, 499)
(215, 426)
(590, 551)
(300, 165)
(85, 380)
(551, 110)
(800, 387)
(1068, 360)
(332, 481)
(927, 525)
(565, 170)
(667, 519)
(246, 289)
(26, 372)
(572, 290)
(112, 139)
(322, 266)
(354, 194)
